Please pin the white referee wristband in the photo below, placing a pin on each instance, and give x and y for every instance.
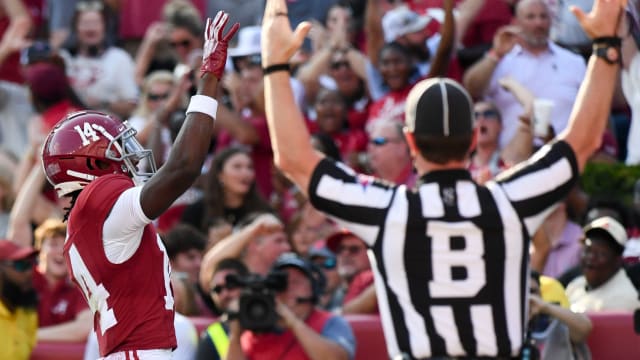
(203, 104)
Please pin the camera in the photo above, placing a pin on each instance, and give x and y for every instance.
(257, 310)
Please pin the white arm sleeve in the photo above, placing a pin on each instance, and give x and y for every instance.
(122, 231)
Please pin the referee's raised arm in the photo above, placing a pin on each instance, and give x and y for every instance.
(292, 151)
(593, 104)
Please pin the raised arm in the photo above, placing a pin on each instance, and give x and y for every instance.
(593, 104)
(292, 151)
(192, 144)
(476, 78)
(374, 30)
(447, 32)
(233, 245)
(14, 38)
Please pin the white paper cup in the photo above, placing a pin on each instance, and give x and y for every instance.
(542, 116)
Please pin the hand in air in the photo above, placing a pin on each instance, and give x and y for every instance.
(214, 56)
(603, 18)
(279, 43)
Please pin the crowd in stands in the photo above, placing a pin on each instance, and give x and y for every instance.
(139, 61)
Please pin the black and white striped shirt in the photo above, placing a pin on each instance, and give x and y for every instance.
(450, 258)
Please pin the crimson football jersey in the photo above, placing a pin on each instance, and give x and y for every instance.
(132, 302)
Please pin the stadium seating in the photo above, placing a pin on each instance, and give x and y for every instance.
(612, 338)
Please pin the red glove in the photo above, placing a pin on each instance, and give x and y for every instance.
(216, 43)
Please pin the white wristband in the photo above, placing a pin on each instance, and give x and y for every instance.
(203, 104)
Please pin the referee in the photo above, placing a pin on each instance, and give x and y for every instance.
(450, 257)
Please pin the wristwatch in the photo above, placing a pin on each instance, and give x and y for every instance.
(608, 49)
(609, 53)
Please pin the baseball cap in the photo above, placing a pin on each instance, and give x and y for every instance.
(248, 42)
(12, 251)
(334, 240)
(439, 106)
(320, 252)
(401, 21)
(609, 226)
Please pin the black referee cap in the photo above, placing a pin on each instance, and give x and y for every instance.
(439, 106)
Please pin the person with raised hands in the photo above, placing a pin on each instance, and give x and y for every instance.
(449, 257)
(112, 248)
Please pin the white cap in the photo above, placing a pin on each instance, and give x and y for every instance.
(248, 42)
(401, 21)
(609, 225)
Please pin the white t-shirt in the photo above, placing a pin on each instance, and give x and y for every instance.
(616, 294)
(109, 77)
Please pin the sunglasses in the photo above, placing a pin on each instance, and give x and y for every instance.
(381, 140)
(218, 289)
(156, 97)
(328, 263)
(338, 64)
(351, 250)
(23, 265)
(486, 114)
(183, 43)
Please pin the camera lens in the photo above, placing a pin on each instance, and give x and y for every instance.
(257, 309)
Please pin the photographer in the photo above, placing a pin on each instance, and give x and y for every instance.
(554, 331)
(301, 331)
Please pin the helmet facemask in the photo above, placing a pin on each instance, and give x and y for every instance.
(125, 148)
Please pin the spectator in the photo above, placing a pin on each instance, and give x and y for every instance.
(101, 74)
(185, 29)
(110, 236)
(433, 257)
(16, 22)
(257, 243)
(324, 259)
(63, 314)
(303, 331)
(214, 342)
(486, 160)
(517, 50)
(155, 91)
(243, 56)
(18, 301)
(398, 75)
(336, 64)
(558, 332)
(51, 95)
(301, 237)
(185, 246)
(604, 284)
(184, 295)
(556, 246)
(246, 125)
(430, 55)
(331, 119)
(230, 192)
(353, 266)
(477, 39)
(388, 153)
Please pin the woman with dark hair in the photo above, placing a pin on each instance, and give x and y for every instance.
(102, 74)
(229, 192)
